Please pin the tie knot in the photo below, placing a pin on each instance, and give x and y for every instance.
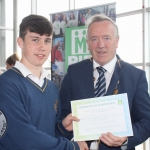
(101, 70)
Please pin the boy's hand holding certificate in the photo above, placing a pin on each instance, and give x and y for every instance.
(101, 115)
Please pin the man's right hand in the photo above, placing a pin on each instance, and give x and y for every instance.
(83, 145)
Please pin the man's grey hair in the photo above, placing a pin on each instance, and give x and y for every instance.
(100, 18)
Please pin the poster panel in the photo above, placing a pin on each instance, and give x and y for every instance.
(69, 38)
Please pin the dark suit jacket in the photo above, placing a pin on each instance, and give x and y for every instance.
(78, 84)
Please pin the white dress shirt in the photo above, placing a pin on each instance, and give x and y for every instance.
(27, 73)
(110, 67)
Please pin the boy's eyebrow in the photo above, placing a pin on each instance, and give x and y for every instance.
(40, 37)
(34, 36)
(48, 38)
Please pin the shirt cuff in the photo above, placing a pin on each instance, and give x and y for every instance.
(124, 146)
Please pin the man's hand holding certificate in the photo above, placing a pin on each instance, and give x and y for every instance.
(101, 115)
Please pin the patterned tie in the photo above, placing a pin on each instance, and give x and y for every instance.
(100, 87)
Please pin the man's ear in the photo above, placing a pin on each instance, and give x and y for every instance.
(20, 42)
(88, 46)
(117, 41)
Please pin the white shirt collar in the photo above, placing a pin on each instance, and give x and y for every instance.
(109, 66)
(26, 72)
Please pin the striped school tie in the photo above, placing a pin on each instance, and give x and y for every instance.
(100, 88)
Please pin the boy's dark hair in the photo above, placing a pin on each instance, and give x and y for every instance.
(37, 24)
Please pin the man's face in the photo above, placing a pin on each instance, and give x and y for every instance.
(35, 49)
(102, 41)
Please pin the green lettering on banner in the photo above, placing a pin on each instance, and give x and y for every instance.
(75, 46)
(79, 43)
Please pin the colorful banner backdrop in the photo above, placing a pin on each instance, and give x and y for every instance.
(75, 46)
(69, 39)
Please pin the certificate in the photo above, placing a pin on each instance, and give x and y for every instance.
(101, 115)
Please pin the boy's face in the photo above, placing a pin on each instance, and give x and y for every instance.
(35, 49)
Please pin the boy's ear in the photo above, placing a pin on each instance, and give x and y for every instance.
(20, 42)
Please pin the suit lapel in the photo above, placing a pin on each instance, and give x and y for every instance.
(88, 78)
(115, 78)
